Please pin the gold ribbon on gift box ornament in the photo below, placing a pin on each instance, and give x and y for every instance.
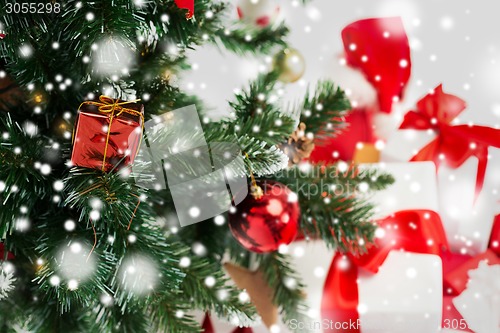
(115, 108)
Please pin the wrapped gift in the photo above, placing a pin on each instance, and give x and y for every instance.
(387, 290)
(377, 62)
(107, 133)
(467, 179)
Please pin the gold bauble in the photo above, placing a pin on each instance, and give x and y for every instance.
(290, 65)
(38, 98)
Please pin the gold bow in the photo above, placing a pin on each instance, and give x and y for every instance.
(110, 105)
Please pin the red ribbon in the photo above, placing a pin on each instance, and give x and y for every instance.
(495, 236)
(454, 144)
(379, 48)
(419, 231)
(209, 328)
(207, 325)
(186, 4)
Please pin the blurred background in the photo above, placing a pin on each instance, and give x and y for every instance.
(454, 42)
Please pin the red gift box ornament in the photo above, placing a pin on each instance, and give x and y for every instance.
(107, 133)
(454, 144)
(418, 231)
(9, 255)
(186, 4)
(380, 50)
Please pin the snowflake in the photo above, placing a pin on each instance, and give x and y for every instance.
(7, 280)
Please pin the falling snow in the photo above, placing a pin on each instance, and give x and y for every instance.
(138, 274)
(112, 56)
(7, 280)
(74, 263)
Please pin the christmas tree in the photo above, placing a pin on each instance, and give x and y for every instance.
(98, 247)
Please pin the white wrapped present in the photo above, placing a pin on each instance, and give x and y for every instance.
(468, 200)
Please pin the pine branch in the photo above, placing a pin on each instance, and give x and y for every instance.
(46, 319)
(114, 320)
(20, 178)
(273, 127)
(288, 288)
(20, 31)
(68, 298)
(323, 112)
(103, 207)
(111, 194)
(167, 319)
(221, 298)
(164, 96)
(118, 18)
(179, 31)
(256, 136)
(262, 159)
(244, 39)
(255, 99)
(333, 203)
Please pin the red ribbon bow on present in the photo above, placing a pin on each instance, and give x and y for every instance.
(186, 4)
(453, 144)
(418, 231)
(379, 49)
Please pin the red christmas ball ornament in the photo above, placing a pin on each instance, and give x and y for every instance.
(2, 34)
(267, 218)
(258, 12)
